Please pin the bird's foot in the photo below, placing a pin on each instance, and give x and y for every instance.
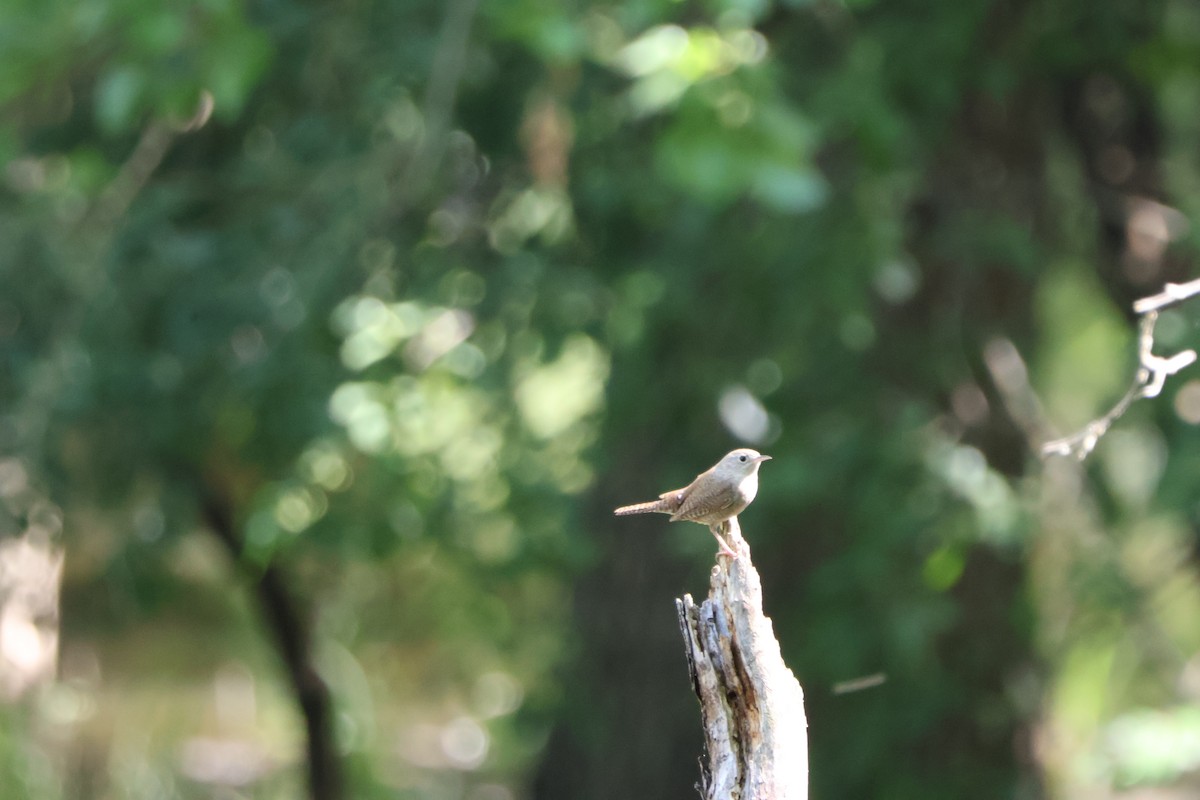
(725, 549)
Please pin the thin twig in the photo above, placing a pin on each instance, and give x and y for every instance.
(445, 75)
(1149, 379)
(139, 167)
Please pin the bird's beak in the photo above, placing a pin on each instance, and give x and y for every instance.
(760, 459)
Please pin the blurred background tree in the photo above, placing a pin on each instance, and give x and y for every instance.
(331, 334)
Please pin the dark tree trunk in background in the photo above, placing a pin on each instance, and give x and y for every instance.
(624, 731)
(293, 642)
(1114, 125)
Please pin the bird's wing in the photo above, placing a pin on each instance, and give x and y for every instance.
(695, 505)
(672, 500)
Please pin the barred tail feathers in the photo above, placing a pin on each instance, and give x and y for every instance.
(667, 503)
(642, 508)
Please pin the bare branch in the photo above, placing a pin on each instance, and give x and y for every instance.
(139, 167)
(1172, 293)
(1149, 379)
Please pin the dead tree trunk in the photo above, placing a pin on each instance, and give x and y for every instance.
(751, 705)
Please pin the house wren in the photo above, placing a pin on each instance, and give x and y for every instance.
(716, 495)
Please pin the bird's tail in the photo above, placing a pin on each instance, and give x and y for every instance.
(641, 508)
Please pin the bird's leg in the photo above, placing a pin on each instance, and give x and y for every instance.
(725, 549)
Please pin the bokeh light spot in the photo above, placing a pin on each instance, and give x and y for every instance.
(743, 414)
(1187, 402)
(496, 694)
(554, 396)
(465, 743)
(764, 376)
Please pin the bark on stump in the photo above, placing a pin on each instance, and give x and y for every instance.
(751, 705)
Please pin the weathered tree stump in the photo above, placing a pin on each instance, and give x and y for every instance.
(751, 705)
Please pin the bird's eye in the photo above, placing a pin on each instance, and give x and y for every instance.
(742, 459)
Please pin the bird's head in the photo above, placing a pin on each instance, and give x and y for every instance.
(741, 462)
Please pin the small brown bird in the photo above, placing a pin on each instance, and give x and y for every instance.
(716, 496)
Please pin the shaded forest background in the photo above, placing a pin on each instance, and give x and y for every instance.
(330, 334)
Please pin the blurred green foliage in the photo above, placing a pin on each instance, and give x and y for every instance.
(434, 286)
